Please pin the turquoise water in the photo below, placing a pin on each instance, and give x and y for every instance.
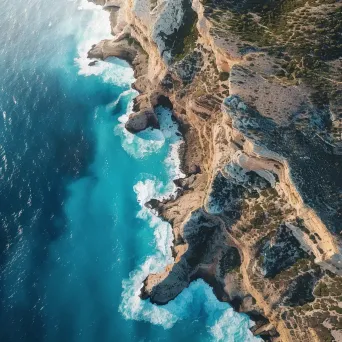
(76, 241)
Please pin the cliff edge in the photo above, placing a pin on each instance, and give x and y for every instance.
(256, 88)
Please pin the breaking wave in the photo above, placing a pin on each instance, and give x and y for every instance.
(97, 29)
(223, 324)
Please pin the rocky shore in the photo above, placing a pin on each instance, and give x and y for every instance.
(259, 214)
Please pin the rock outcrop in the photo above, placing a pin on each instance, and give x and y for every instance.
(138, 122)
(256, 90)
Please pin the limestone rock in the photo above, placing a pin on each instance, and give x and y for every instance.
(108, 48)
(138, 122)
(259, 155)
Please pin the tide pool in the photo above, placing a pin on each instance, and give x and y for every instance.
(76, 241)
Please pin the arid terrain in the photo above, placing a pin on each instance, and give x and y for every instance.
(256, 87)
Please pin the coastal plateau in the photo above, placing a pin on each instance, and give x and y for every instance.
(256, 88)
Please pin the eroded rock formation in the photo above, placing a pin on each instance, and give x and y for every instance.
(138, 122)
(259, 214)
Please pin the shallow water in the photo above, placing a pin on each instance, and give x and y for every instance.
(75, 239)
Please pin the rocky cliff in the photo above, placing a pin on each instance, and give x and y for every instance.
(256, 88)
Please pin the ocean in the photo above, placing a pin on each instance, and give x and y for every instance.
(76, 241)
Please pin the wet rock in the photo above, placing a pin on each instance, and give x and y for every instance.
(108, 48)
(96, 51)
(152, 204)
(138, 122)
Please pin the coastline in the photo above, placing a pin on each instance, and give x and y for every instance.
(136, 59)
(201, 160)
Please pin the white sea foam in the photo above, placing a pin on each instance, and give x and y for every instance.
(114, 104)
(132, 307)
(151, 140)
(222, 322)
(138, 145)
(98, 28)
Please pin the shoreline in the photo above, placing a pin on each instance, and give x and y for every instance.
(219, 150)
(126, 52)
(129, 54)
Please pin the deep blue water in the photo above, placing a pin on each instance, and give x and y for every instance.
(75, 239)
